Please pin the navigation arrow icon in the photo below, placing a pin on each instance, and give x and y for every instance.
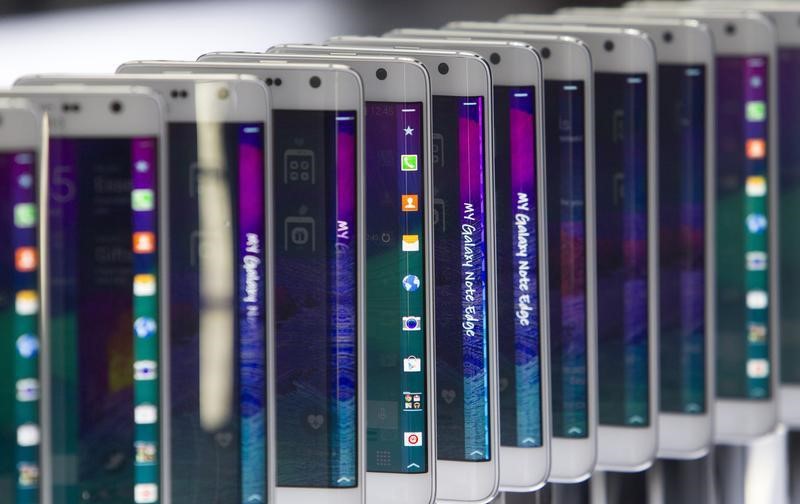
(412, 465)
(575, 430)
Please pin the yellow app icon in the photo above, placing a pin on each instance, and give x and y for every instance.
(410, 243)
(144, 285)
(27, 302)
(756, 186)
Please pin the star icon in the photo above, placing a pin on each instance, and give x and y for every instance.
(409, 130)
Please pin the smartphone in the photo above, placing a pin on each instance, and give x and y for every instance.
(398, 372)
(747, 201)
(627, 239)
(466, 361)
(316, 122)
(106, 147)
(685, 56)
(569, 169)
(23, 132)
(193, 100)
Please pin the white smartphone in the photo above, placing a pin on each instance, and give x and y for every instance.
(627, 255)
(523, 425)
(317, 207)
(747, 155)
(193, 99)
(397, 125)
(685, 56)
(23, 156)
(569, 165)
(100, 376)
(465, 274)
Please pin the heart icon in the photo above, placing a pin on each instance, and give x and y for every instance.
(449, 396)
(503, 384)
(315, 421)
(224, 439)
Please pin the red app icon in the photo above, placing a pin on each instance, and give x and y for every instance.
(26, 259)
(144, 242)
(756, 148)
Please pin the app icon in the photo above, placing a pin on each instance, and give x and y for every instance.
(27, 390)
(27, 302)
(410, 243)
(145, 493)
(412, 323)
(756, 148)
(25, 259)
(408, 130)
(24, 215)
(144, 285)
(756, 186)
(757, 333)
(145, 453)
(144, 242)
(757, 368)
(27, 346)
(142, 166)
(412, 401)
(757, 300)
(411, 283)
(299, 167)
(145, 414)
(412, 439)
(755, 111)
(756, 223)
(408, 162)
(144, 327)
(28, 474)
(756, 261)
(412, 364)
(25, 181)
(28, 435)
(410, 202)
(145, 370)
(143, 200)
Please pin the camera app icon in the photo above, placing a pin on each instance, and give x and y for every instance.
(412, 323)
(299, 234)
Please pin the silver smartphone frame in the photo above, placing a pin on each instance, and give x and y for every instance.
(518, 64)
(414, 76)
(681, 436)
(624, 449)
(143, 111)
(740, 421)
(572, 460)
(295, 76)
(179, 109)
(23, 126)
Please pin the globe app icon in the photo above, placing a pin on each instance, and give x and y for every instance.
(411, 283)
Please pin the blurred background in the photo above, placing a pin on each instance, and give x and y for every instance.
(97, 35)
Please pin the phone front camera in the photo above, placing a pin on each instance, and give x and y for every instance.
(315, 82)
(494, 58)
(444, 68)
(381, 74)
(116, 107)
(545, 52)
(730, 28)
(667, 37)
(608, 46)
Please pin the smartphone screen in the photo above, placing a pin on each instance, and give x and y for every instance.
(789, 97)
(102, 276)
(397, 282)
(622, 282)
(565, 120)
(518, 266)
(460, 269)
(19, 329)
(682, 240)
(217, 312)
(743, 291)
(316, 298)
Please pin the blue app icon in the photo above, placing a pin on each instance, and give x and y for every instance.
(411, 283)
(28, 345)
(144, 327)
(756, 223)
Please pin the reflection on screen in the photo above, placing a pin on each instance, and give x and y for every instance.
(397, 429)
(566, 241)
(789, 99)
(460, 268)
(622, 319)
(217, 312)
(94, 279)
(517, 266)
(19, 338)
(315, 283)
(743, 292)
(682, 240)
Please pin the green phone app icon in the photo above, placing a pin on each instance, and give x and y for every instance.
(408, 162)
(756, 111)
(142, 200)
(25, 215)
